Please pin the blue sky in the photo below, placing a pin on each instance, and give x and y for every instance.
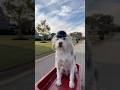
(68, 15)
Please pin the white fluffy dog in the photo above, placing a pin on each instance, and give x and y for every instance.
(65, 59)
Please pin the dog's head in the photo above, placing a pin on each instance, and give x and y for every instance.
(61, 40)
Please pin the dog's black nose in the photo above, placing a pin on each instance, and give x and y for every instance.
(60, 44)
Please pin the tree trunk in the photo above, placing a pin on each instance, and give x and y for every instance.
(20, 36)
(20, 33)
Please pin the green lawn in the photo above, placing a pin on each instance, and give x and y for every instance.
(15, 53)
(18, 52)
(42, 49)
(11, 56)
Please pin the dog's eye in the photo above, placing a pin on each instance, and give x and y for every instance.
(64, 38)
(57, 39)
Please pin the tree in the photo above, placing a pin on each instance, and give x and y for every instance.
(20, 13)
(99, 20)
(52, 35)
(43, 29)
(27, 26)
(101, 23)
(76, 36)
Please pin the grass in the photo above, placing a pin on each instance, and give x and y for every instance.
(14, 56)
(15, 53)
(19, 52)
(42, 49)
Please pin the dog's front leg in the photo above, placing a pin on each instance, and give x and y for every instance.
(71, 82)
(59, 75)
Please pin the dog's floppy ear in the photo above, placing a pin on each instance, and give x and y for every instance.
(53, 39)
(53, 45)
(53, 42)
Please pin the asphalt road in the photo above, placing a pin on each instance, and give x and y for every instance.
(106, 55)
(21, 81)
(25, 80)
(45, 64)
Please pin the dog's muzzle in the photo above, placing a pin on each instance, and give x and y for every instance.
(60, 44)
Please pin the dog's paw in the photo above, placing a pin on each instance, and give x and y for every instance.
(58, 83)
(71, 84)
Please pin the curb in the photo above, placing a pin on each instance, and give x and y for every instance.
(43, 55)
(42, 58)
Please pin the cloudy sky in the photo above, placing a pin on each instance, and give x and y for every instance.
(68, 15)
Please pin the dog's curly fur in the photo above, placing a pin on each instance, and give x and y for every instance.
(65, 59)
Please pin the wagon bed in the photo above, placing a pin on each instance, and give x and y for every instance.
(48, 82)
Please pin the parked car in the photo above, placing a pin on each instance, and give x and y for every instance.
(37, 38)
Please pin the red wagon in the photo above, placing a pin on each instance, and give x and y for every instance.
(48, 82)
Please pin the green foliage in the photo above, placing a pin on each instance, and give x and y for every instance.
(42, 49)
(43, 29)
(100, 21)
(99, 26)
(20, 13)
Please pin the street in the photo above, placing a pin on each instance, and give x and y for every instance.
(106, 55)
(42, 66)
(45, 64)
(22, 81)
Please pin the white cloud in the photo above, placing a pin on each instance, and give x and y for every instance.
(54, 23)
(37, 8)
(39, 17)
(65, 10)
(57, 24)
(52, 1)
(54, 12)
(53, 19)
(47, 2)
